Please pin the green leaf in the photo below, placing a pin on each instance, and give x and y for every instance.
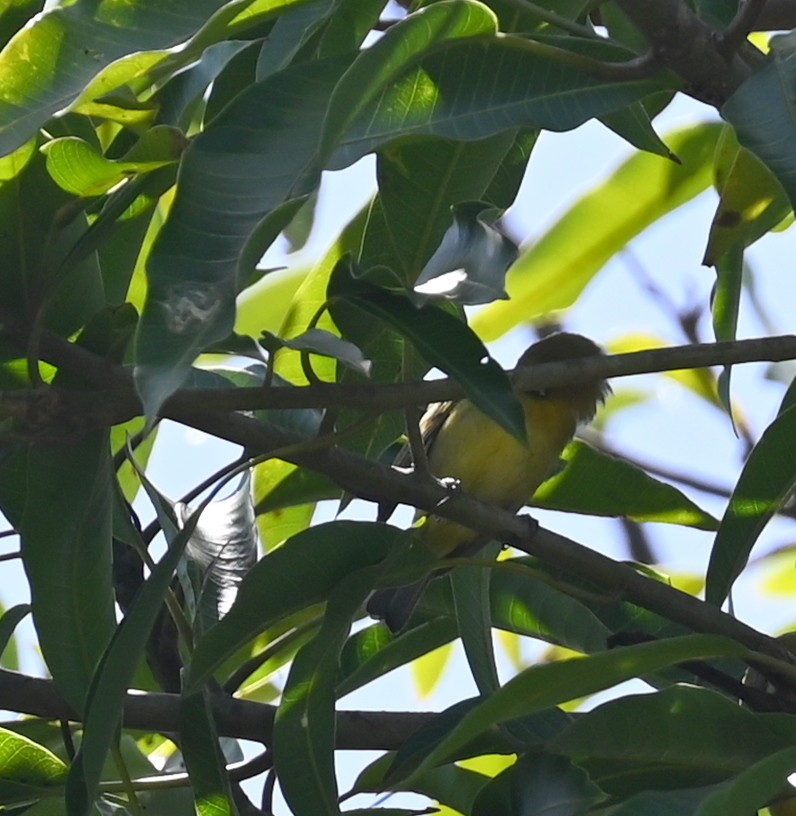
(279, 485)
(761, 111)
(304, 727)
(299, 574)
(80, 169)
(557, 267)
(470, 264)
(449, 344)
(374, 651)
(751, 200)
(543, 686)
(35, 242)
(471, 600)
(349, 23)
(664, 803)
(628, 733)
(28, 771)
(523, 603)
(601, 485)
(725, 305)
(8, 623)
(753, 788)
(120, 660)
(66, 549)
(538, 783)
(203, 758)
(48, 64)
(767, 479)
(478, 87)
(633, 125)
(419, 182)
(264, 307)
(379, 66)
(255, 155)
(14, 17)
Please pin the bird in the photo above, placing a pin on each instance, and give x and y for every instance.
(464, 445)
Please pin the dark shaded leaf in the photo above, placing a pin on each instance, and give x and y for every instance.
(374, 651)
(299, 574)
(528, 605)
(543, 686)
(538, 783)
(119, 662)
(203, 757)
(304, 727)
(450, 345)
(66, 550)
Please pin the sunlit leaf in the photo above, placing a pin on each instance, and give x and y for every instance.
(80, 169)
(596, 483)
(767, 479)
(751, 203)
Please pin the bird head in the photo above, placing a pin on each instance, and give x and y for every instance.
(582, 397)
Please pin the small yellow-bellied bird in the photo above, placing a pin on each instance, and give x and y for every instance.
(464, 444)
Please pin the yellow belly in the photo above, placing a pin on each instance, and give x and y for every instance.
(491, 464)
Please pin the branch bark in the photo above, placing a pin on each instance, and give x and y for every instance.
(243, 719)
(116, 400)
(777, 15)
(686, 45)
(373, 481)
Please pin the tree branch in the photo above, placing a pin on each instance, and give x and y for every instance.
(777, 15)
(356, 730)
(683, 43)
(119, 402)
(744, 22)
(376, 482)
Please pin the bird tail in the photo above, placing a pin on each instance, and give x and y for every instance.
(395, 605)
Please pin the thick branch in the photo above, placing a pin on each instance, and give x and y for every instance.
(777, 15)
(356, 730)
(371, 480)
(683, 43)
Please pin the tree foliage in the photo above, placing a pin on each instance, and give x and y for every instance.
(152, 153)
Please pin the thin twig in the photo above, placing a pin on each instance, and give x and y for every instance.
(639, 67)
(548, 16)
